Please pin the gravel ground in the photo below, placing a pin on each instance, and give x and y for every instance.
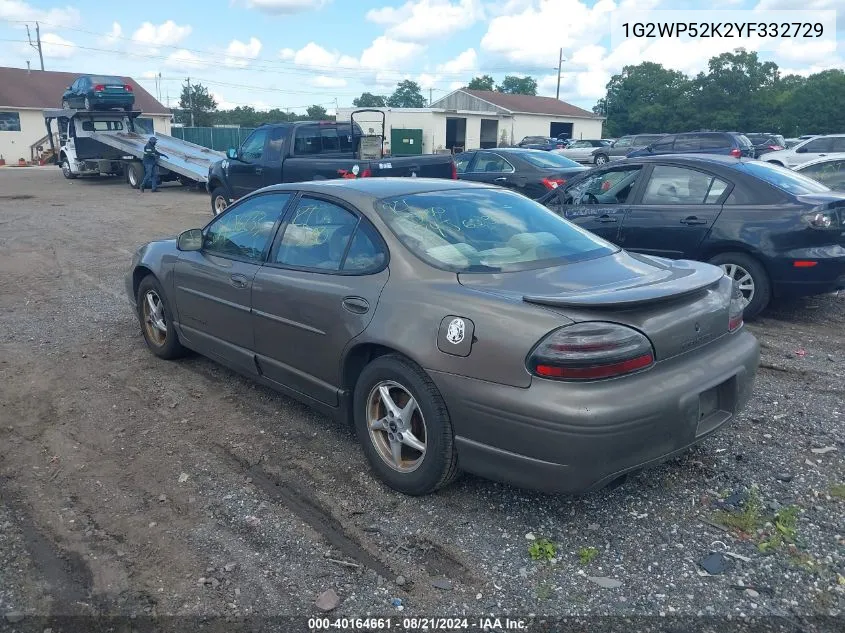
(133, 486)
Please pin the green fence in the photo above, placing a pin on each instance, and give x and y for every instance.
(217, 138)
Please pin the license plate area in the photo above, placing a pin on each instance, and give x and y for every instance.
(715, 406)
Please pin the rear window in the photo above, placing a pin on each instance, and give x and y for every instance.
(547, 160)
(743, 140)
(103, 79)
(486, 230)
(102, 126)
(782, 178)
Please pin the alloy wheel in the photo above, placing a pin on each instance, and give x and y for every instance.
(66, 168)
(743, 279)
(155, 323)
(396, 426)
(601, 159)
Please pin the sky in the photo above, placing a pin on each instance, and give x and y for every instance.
(294, 53)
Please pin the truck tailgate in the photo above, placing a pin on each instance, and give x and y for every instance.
(424, 166)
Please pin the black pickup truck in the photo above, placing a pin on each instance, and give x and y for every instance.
(308, 150)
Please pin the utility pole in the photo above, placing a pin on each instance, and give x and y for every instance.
(559, 67)
(430, 99)
(190, 101)
(37, 44)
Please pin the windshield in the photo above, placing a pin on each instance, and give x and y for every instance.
(486, 230)
(547, 160)
(782, 178)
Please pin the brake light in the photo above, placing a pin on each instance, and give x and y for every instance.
(454, 170)
(553, 183)
(127, 88)
(99, 88)
(736, 309)
(736, 153)
(591, 351)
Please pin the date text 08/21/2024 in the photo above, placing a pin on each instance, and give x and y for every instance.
(417, 624)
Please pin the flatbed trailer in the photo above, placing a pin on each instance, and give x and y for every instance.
(96, 143)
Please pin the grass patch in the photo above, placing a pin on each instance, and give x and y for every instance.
(747, 519)
(542, 549)
(587, 555)
(786, 529)
(837, 491)
(545, 591)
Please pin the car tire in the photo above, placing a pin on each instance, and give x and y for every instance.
(154, 315)
(219, 201)
(415, 472)
(66, 172)
(87, 103)
(741, 267)
(134, 174)
(601, 159)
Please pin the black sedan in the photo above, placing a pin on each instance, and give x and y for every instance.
(776, 232)
(531, 172)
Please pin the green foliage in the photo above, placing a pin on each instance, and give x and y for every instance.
(587, 555)
(316, 113)
(748, 519)
(369, 100)
(786, 529)
(518, 85)
(738, 92)
(542, 549)
(407, 95)
(485, 82)
(837, 491)
(545, 591)
(197, 100)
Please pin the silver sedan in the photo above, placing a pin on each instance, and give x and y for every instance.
(581, 151)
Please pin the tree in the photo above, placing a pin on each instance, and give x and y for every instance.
(369, 100)
(317, 113)
(198, 101)
(406, 95)
(485, 82)
(518, 85)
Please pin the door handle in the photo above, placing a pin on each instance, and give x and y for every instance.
(239, 281)
(692, 220)
(500, 179)
(606, 218)
(357, 305)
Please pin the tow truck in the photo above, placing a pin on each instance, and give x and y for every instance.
(93, 143)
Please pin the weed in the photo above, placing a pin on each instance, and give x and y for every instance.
(542, 549)
(786, 529)
(837, 491)
(544, 591)
(746, 520)
(587, 555)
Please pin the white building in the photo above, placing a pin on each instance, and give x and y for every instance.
(472, 119)
(25, 94)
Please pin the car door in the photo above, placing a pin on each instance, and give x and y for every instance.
(318, 291)
(811, 150)
(674, 212)
(213, 286)
(491, 168)
(620, 148)
(246, 173)
(580, 151)
(599, 202)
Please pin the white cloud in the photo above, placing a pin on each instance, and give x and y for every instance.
(239, 54)
(113, 37)
(149, 74)
(222, 102)
(282, 7)
(423, 20)
(313, 54)
(184, 60)
(56, 46)
(322, 81)
(466, 62)
(18, 11)
(166, 34)
(287, 54)
(385, 53)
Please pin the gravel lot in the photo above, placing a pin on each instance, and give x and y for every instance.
(134, 486)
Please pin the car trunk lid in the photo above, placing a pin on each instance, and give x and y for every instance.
(679, 305)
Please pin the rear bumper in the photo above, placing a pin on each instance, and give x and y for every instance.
(827, 275)
(573, 438)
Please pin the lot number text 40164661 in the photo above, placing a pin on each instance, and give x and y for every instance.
(410, 624)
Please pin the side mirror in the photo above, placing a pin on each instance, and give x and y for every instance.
(232, 153)
(801, 150)
(190, 240)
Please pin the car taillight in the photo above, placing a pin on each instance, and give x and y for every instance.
(553, 183)
(822, 219)
(736, 309)
(591, 351)
(454, 170)
(99, 88)
(127, 88)
(736, 153)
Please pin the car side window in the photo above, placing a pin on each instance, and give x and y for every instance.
(714, 141)
(678, 185)
(489, 162)
(365, 252)
(625, 141)
(307, 140)
(273, 153)
(253, 147)
(665, 145)
(245, 230)
(318, 235)
(818, 145)
(578, 144)
(837, 144)
(329, 139)
(608, 187)
(462, 161)
(687, 143)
